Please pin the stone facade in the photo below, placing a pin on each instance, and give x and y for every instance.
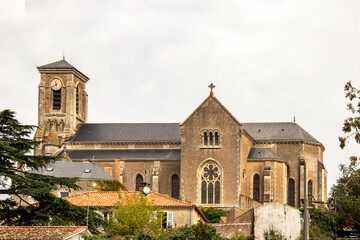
(210, 159)
(229, 230)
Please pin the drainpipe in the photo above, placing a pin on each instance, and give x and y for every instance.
(87, 213)
(306, 224)
(191, 216)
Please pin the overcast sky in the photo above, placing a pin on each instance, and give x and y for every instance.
(151, 61)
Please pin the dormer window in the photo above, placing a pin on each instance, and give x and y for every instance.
(210, 138)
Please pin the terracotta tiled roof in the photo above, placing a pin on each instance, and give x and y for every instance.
(38, 232)
(109, 199)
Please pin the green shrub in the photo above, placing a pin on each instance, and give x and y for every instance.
(203, 231)
(213, 214)
(322, 224)
(238, 236)
(271, 234)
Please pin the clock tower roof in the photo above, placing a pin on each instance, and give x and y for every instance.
(60, 65)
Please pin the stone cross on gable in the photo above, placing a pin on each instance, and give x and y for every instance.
(211, 86)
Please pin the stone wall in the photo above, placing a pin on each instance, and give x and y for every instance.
(282, 218)
(247, 203)
(227, 230)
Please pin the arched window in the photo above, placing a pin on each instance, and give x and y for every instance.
(139, 180)
(77, 99)
(205, 142)
(256, 187)
(310, 190)
(210, 138)
(217, 140)
(57, 99)
(175, 184)
(291, 192)
(210, 184)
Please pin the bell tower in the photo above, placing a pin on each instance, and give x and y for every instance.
(62, 104)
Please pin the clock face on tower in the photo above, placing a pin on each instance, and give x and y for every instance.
(56, 84)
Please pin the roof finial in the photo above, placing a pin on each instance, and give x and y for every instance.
(63, 55)
(211, 86)
(294, 120)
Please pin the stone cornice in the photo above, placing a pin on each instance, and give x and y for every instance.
(74, 71)
(289, 142)
(268, 159)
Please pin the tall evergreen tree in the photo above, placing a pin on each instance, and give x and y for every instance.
(15, 158)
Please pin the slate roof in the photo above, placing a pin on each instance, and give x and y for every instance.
(279, 131)
(127, 132)
(109, 199)
(263, 153)
(125, 154)
(38, 232)
(74, 169)
(57, 65)
(62, 64)
(169, 132)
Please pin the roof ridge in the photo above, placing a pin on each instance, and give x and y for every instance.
(216, 100)
(174, 199)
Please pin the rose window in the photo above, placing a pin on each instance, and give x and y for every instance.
(210, 184)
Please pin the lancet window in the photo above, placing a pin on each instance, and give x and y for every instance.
(139, 180)
(175, 185)
(210, 138)
(291, 192)
(310, 190)
(210, 184)
(57, 99)
(256, 187)
(77, 99)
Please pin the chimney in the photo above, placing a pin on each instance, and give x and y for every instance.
(117, 168)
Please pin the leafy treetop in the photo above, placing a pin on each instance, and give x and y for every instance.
(351, 126)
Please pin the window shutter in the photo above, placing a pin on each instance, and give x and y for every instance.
(169, 219)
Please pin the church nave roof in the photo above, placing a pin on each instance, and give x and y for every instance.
(127, 132)
(125, 154)
(169, 132)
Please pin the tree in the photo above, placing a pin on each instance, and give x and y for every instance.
(345, 197)
(15, 159)
(213, 214)
(109, 185)
(133, 214)
(204, 231)
(345, 194)
(322, 223)
(351, 126)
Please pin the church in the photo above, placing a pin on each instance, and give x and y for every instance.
(210, 159)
